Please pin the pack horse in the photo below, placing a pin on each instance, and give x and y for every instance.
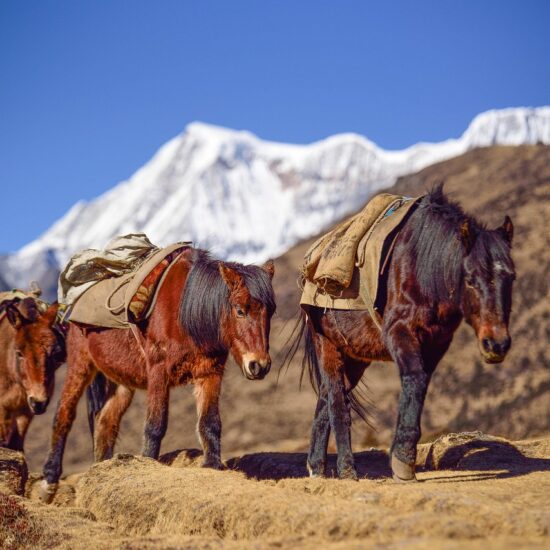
(32, 347)
(205, 310)
(444, 267)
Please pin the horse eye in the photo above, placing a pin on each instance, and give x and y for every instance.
(240, 312)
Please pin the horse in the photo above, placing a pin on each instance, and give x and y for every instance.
(31, 349)
(445, 267)
(205, 310)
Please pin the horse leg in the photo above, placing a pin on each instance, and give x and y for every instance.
(79, 375)
(415, 378)
(320, 432)
(156, 422)
(6, 428)
(209, 426)
(332, 375)
(21, 425)
(108, 422)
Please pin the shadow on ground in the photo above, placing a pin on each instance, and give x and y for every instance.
(487, 456)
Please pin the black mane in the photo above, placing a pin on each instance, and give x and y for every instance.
(206, 297)
(439, 250)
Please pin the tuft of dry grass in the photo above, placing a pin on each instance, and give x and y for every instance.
(18, 528)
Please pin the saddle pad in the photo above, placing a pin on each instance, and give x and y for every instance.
(118, 301)
(329, 262)
(373, 249)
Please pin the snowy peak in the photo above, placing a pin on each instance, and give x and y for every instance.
(521, 126)
(248, 199)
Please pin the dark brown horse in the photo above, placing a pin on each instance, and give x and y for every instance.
(205, 310)
(445, 267)
(31, 348)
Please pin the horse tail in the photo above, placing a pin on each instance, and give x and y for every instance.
(96, 397)
(303, 333)
(301, 338)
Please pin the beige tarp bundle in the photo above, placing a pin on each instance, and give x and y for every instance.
(107, 302)
(341, 269)
(121, 255)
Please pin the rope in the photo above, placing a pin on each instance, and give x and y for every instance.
(120, 307)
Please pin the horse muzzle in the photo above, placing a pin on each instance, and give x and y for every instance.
(37, 406)
(493, 350)
(256, 369)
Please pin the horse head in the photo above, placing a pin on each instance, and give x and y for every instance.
(247, 320)
(488, 275)
(39, 349)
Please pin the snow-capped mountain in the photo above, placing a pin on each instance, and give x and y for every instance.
(248, 199)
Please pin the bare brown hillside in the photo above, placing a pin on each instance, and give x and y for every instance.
(511, 399)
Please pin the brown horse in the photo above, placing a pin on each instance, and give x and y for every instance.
(31, 348)
(205, 310)
(445, 267)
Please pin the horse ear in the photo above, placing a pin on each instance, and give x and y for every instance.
(28, 309)
(269, 268)
(507, 229)
(467, 235)
(14, 315)
(232, 279)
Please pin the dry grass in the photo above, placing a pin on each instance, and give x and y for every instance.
(18, 528)
(496, 493)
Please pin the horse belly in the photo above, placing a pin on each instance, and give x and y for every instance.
(356, 335)
(116, 355)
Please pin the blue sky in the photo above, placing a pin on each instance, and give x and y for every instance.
(89, 90)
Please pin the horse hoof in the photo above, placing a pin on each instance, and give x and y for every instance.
(315, 472)
(46, 491)
(402, 472)
(348, 473)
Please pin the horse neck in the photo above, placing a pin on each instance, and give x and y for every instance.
(171, 290)
(437, 275)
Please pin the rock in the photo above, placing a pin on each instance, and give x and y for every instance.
(474, 450)
(13, 471)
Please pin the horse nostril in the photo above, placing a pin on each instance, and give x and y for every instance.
(268, 367)
(505, 345)
(487, 345)
(36, 406)
(254, 368)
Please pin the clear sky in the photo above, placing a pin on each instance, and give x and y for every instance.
(90, 89)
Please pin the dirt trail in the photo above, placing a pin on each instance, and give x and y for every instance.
(474, 490)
